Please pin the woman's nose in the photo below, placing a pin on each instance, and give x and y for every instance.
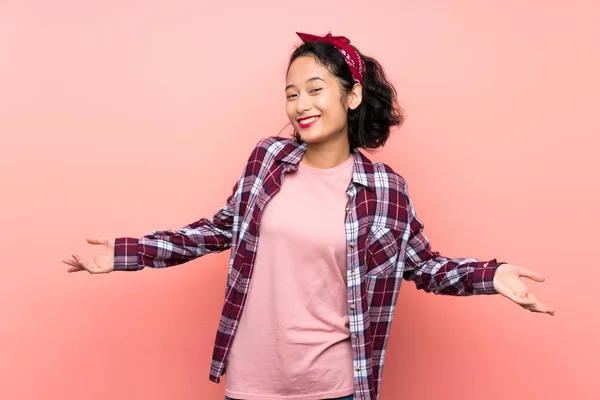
(303, 104)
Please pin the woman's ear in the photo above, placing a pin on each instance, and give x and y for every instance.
(354, 98)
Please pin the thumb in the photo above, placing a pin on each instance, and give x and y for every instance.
(98, 241)
(531, 275)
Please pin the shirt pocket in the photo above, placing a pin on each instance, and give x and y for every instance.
(381, 253)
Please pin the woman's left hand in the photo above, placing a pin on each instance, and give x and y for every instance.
(507, 282)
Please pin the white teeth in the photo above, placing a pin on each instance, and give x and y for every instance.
(308, 121)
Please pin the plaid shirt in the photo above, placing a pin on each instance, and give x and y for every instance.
(385, 244)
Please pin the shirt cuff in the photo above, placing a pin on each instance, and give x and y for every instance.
(126, 254)
(482, 277)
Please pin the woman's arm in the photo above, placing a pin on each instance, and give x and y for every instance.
(159, 249)
(465, 276)
(432, 272)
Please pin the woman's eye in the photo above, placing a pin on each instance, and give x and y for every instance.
(291, 96)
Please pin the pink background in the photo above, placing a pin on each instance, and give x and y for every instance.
(120, 117)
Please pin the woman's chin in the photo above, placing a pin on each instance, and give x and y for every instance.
(312, 137)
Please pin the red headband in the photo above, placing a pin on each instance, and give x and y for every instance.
(354, 61)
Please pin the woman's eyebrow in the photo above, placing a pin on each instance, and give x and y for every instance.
(314, 78)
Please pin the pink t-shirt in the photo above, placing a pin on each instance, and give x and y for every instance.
(293, 341)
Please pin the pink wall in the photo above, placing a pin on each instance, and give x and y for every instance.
(119, 117)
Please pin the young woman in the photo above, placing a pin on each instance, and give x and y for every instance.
(308, 307)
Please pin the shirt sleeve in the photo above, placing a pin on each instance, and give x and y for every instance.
(158, 249)
(432, 272)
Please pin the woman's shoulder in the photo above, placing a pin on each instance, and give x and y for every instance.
(272, 148)
(388, 178)
(269, 141)
(266, 151)
(273, 143)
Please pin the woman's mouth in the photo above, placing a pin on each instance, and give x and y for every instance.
(307, 122)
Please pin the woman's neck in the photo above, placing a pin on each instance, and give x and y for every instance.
(327, 154)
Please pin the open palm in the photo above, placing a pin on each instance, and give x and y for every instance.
(102, 263)
(507, 282)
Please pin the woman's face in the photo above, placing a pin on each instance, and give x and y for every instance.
(314, 102)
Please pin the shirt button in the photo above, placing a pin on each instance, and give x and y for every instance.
(485, 265)
(356, 369)
(353, 272)
(354, 336)
(352, 307)
(349, 211)
(352, 244)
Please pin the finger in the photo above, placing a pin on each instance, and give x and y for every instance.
(539, 309)
(531, 275)
(82, 264)
(531, 297)
(101, 241)
(75, 269)
(74, 266)
(72, 263)
(538, 306)
(542, 307)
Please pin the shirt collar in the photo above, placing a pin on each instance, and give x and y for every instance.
(364, 171)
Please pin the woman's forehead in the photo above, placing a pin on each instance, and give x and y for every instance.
(304, 68)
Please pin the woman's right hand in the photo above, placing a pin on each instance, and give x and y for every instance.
(101, 264)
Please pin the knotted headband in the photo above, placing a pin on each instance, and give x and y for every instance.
(354, 61)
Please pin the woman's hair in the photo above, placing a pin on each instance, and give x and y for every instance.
(369, 124)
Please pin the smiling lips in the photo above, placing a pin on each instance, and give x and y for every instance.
(308, 121)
